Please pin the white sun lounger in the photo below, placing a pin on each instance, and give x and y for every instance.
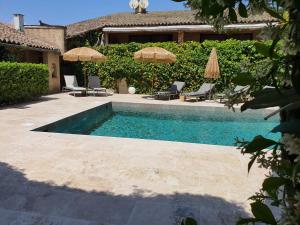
(72, 85)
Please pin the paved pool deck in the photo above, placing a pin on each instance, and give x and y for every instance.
(63, 179)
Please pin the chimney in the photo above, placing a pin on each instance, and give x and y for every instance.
(19, 22)
(139, 6)
(140, 10)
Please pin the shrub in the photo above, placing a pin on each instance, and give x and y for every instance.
(22, 81)
(189, 67)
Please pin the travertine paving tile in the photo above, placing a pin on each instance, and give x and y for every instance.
(115, 181)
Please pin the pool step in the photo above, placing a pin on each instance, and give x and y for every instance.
(13, 217)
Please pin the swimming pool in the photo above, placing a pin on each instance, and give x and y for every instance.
(194, 124)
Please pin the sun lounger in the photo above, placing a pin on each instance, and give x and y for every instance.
(172, 92)
(72, 85)
(239, 93)
(204, 92)
(238, 90)
(94, 85)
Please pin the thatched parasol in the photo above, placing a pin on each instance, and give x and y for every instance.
(155, 55)
(84, 54)
(212, 70)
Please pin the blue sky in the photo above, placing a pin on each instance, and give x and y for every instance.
(62, 12)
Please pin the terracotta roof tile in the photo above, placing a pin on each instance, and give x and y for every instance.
(9, 35)
(186, 17)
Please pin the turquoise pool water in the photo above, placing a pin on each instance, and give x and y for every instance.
(218, 126)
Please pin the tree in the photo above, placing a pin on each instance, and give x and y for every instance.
(282, 187)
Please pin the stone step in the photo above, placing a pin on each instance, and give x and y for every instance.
(13, 217)
(205, 211)
(152, 214)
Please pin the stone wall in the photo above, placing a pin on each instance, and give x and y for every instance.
(54, 35)
(53, 61)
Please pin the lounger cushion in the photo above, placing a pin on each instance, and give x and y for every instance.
(204, 90)
(94, 83)
(175, 89)
(194, 94)
(75, 88)
(239, 90)
(177, 86)
(71, 83)
(165, 93)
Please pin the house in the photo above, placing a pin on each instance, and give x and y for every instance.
(179, 26)
(31, 46)
(46, 43)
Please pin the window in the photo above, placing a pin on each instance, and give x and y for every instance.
(223, 37)
(150, 38)
(115, 40)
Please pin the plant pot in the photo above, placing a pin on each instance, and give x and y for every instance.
(122, 86)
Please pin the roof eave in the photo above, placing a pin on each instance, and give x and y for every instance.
(83, 32)
(257, 25)
(175, 28)
(24, 47)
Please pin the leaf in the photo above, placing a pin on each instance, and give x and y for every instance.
(262, 49)
(246, 221)
(189, 221)
(243, 79)
(250, 164)
(232, 15)
(271, 98)
(273, 13)
(263, 213)
(290, 107)
(271, 184)
(215, 9)
(291, 127)
(259, 143)
(286, 15)
(243, 10)
(296, 170)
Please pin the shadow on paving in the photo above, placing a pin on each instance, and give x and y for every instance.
(26, 105)
(20, 194)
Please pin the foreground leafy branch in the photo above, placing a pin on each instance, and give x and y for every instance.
(281, 188)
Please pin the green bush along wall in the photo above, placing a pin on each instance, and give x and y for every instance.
(22, 81)
(234, 58)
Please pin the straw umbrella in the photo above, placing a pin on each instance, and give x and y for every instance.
(84, 54)
(212, 70)
(154, 55)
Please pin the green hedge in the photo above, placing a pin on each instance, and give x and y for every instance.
(234, 57)
(22, 81)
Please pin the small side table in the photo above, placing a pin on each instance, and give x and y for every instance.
(182, 98)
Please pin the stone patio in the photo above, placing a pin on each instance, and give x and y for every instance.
(63, 179)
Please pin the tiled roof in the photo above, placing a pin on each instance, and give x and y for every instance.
(186, 17)
(9, 35)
